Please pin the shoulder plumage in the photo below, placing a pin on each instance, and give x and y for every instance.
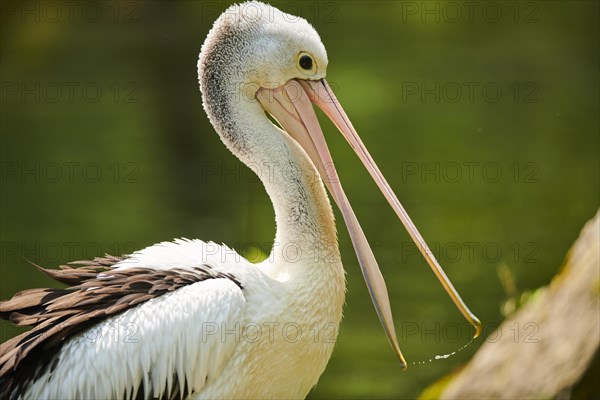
(98, 290)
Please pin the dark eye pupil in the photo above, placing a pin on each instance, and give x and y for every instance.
(306, 62)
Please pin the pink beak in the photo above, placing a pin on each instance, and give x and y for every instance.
(290, 104)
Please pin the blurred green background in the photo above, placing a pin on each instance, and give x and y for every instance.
(484, 119)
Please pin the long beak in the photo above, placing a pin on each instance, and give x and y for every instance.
(290, 104)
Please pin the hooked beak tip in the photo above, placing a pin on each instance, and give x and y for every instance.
(403, 365)
(478, 327)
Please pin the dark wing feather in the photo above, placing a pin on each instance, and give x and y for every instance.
(97, 291)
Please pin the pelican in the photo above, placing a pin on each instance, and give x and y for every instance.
(193, 319)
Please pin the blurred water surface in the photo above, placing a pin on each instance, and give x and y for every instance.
(483, 117)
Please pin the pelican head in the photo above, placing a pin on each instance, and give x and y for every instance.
(257, 59)
(269, 46)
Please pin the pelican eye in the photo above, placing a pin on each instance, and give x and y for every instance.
(306, 62)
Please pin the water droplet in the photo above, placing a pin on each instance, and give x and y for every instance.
(444, 356)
